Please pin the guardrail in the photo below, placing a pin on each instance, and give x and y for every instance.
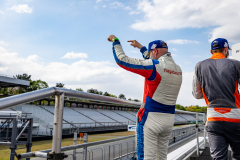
(60, 93)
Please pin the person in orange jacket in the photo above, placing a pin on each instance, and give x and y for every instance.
(216, 80)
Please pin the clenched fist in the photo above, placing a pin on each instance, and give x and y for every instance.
(135, 44)
(111, 38)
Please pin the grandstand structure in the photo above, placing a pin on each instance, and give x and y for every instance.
(87, 118)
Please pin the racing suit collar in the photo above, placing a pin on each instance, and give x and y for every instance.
(217, 56)
(165, 54)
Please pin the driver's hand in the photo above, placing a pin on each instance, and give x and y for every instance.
(111, 38)
(135, 44)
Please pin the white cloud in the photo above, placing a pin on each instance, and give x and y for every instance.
(21, 8)
(1, 12)
(3, 50)
(181, 41)
(174, 55)
(33, 58)
(128, 8)
(221, 15)
(196, 56)
(98, 1)
(174, 49)
(104, 6)
(116, 4)
(102, 75)
(72, 55)
(3, 43)
(134, 12)
(185, 96)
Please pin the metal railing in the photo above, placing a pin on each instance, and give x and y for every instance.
(60, 93)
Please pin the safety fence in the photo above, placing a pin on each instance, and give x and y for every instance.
(60, 93)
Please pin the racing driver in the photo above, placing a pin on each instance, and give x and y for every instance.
(163, 78)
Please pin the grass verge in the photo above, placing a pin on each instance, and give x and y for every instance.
(47, 144)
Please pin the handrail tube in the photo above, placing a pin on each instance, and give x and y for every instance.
(26, 97)
(30, 154)
(39, 94)
(197, 135)
(188, 112)
(95, 97)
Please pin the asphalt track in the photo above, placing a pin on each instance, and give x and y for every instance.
(101, 152)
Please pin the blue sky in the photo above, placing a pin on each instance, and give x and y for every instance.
(66, 41)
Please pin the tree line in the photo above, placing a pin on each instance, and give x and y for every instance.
(192, 108)
(39, 84)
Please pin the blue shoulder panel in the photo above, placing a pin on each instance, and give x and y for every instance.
(154, 72)
(142, 50)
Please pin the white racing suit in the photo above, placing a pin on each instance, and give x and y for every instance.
(155, 119)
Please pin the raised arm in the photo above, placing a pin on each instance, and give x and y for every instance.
(145, 68)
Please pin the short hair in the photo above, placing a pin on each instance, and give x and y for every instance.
(220, 50)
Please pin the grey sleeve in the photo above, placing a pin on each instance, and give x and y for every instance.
(196, 86)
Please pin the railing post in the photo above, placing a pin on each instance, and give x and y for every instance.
(74, 143)
(29, 138)
(85, 148)
(204, 134)
(13, 139)
(197, 135)
(57, 125)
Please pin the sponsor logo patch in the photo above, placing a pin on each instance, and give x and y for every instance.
(154, 46)
(172, 72)
(225, 44)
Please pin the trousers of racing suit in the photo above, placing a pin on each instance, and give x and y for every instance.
(216, 80)
(163, 78)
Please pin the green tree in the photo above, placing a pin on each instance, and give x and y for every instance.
(178, 106)
(106, 94)
(94, 91)
(136, 100)
(61, 85)
(23, 76)
(37, 85)
(111, 95)
(122, 96)
(79, 89)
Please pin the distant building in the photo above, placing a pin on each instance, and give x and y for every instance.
(236, 51)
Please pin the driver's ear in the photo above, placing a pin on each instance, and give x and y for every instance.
(226, 49)
(156, 50)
